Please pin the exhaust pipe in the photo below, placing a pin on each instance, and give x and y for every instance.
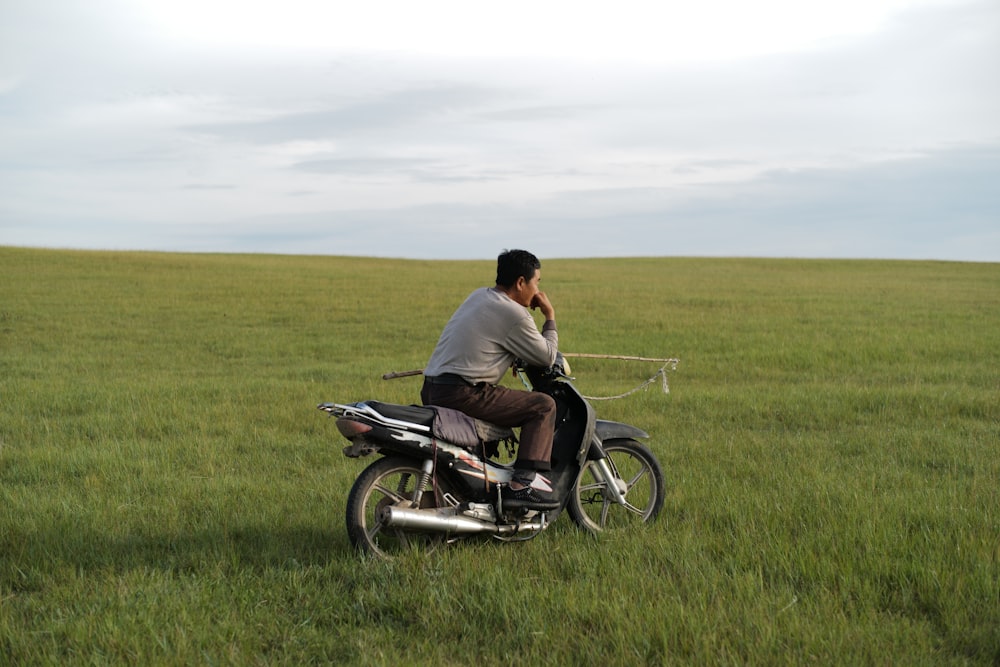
(433, 521)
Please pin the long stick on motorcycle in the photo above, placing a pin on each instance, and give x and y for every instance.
(419, 371)
(662, 373)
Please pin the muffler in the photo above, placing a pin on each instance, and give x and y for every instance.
(431, 520)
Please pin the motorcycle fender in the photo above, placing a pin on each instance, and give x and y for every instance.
(609, 430)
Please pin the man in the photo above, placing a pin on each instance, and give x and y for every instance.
(479, 343)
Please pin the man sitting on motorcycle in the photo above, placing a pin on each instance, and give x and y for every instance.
(489, 330)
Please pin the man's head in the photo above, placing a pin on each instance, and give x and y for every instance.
(514, 264)
(518, 273)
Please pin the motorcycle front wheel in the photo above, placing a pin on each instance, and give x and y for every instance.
(637, 475)
(387, 481)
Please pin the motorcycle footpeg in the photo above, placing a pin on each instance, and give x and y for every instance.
(523, 513)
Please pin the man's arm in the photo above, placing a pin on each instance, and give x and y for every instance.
(534, 346)
(541, 302)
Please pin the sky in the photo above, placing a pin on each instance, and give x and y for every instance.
(446, 129)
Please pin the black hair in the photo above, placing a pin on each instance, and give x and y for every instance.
(514, 264)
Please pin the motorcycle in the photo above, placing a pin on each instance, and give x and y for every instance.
(439, 478)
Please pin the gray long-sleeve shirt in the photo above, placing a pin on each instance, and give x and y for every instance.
(486, 333)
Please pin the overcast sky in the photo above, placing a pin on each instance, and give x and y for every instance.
(431, 129)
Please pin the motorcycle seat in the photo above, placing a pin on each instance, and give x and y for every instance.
(414, 414)
(460, 429)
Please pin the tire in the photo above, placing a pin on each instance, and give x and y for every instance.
(387, 481)
(637, 472)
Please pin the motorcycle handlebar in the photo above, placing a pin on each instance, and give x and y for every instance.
(548, 373)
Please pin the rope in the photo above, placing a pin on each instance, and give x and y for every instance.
(662, 374)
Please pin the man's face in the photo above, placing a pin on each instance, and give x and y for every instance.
(527, 289)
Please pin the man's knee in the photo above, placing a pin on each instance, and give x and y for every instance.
(543, 405)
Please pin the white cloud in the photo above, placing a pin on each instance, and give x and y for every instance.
(650, 31)
(307, 125)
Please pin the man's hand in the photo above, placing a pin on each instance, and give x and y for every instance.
(541, 302)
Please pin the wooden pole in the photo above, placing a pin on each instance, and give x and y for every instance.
(616, 356)
(402, 374)
(420, 371)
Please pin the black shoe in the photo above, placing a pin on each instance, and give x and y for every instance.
(529, 498)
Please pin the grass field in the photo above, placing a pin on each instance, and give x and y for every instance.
(170, 495)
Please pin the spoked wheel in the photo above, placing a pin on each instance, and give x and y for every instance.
(388, 481)
(637, 475)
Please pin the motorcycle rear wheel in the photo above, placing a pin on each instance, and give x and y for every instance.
(637, 474)
(387, 481)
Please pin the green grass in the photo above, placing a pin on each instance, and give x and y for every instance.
(170, 495)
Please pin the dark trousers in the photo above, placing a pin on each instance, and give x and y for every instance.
(533, 412)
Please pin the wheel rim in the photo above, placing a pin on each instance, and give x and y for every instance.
(634, 477)
(393, 487)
